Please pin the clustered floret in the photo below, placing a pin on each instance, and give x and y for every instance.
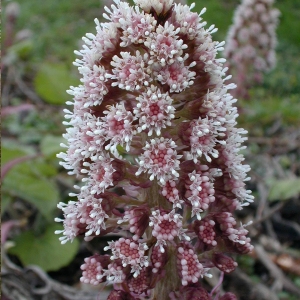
(92, 269)
(189, 266)
(154, 111)
(130, 252)
(206, 232)
(200, 189)
(160, 160)
(152, 137)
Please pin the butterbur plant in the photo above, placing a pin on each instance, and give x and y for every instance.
(153, 138)
(250, 44)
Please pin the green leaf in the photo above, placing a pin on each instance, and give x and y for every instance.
(297, 281)
(50, 145)
(52, 81)
(284, 189)
(22, 49)
(45, 251)
(6, 199)
(28, 180)
(42, 168)
(121, 149)
(10, 151)
(25, 181)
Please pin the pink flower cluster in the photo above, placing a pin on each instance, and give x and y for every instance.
(251, 42)
(152, 136)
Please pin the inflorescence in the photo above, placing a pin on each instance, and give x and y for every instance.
(152, 136)
(251, 41)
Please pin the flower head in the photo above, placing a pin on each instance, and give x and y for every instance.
(154, 111)
(129, 71)
(166, 226)
(117, 125)
(160, 159)
(130, 252)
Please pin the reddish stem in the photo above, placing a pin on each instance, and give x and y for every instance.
(14, 162)
(215, 289)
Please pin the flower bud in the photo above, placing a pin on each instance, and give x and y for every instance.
(224, 263)
(228, 296)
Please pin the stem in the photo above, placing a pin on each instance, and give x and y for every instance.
(171, 281)
(216, 288)
(155, 199)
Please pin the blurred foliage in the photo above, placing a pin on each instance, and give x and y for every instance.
(284, 79)
(44, 250)
(52, 81)
(289, 26)
(57, 26)
(31, 127)
(284, 189)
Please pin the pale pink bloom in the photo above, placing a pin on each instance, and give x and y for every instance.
(118, 127)
(159, 6)
(129, 71)
(188, 22)
(114, 273)
(166, 226)
(200, 189)
(136, 28)
(92, 214)
(159, 160)
(140, 285)
(137, 219)
(177, 75)
(70, 222)
(99, 175)
(159, 258)
(154, 111)
(130, 252)
(164, 45)
(170, 191)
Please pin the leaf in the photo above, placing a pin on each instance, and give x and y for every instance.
(6, 199)
(284, 189)
(50, 145)
(10, 151)
(6, 168)
(52, 81)
(45, 251)
(26, 181)
(42, 168)
(22, 49)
